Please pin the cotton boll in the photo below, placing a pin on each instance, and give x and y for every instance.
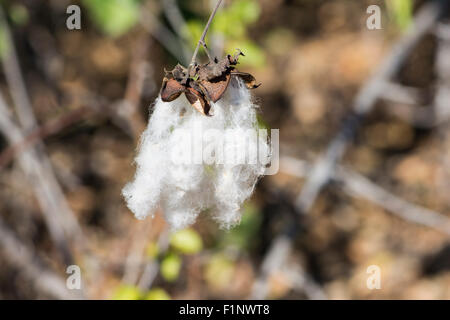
(165, 117)
(172, 172)
(143, 194)
(186, 177)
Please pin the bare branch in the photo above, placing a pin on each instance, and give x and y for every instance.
(37, 159)
(365, 102)
(358, 185)
(42, 187)
(15, 81)
(362, 187)
(323, 170)
(205, 31)
(401, 94)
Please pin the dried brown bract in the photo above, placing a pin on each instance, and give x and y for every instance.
(204, 83)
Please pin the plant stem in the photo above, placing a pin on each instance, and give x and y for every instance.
(205, 31)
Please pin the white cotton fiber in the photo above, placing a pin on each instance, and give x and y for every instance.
(173, 175)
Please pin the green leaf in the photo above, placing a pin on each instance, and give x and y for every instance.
(19, 14)
(4, 43)
(127, 292)
(244, 235)
(170, 267)
(279, 41)
(152, 250)
(233, 21)
(231, 24)
(262, 124)
(195, 28)
(247, 11)
(401, 11)
(186, 241)
(113, 17)
(228, 25)
(157, 294)
(219, 271)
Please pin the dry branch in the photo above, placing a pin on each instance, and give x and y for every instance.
(365, 101)
(43, 188)
(361, 187)
(58, 216)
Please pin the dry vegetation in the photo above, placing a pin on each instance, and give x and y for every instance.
(72, 115)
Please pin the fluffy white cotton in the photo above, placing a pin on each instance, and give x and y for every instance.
(187, 164)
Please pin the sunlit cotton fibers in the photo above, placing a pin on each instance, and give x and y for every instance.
(183, 185)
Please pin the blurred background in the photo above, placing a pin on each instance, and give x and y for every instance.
(364, 174)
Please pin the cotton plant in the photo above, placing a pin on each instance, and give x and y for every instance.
(202, 150)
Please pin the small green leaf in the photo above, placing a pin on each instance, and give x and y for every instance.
(242, 237)
(195, 28)
(4, 44)
(19, 14)
(152, 250)
(228, 25)
(219, 271)
(233, 20)
(279, 41)
(157, 294)
(209, 170)
(114, 17)
(247, 11)
(231, 24)
(187, 241)
(170, 267)
(127, 292)
(262, 124)
(401, 11)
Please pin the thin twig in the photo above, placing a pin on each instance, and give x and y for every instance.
(15, 80)
(205, 31)
(402, 94)
(442, 31)
(30, 164)
(358, 185)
